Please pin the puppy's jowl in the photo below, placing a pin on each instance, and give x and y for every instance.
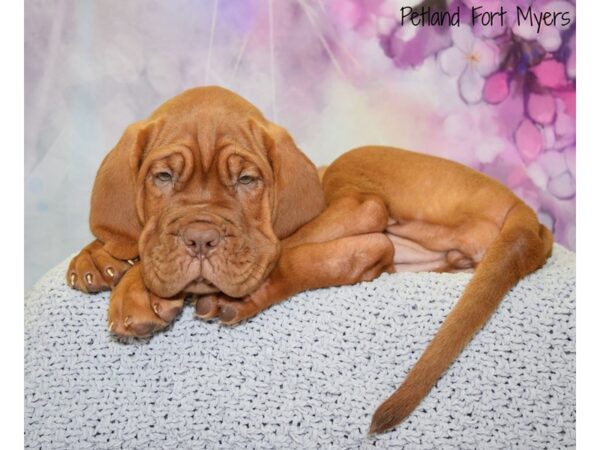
(207, 197)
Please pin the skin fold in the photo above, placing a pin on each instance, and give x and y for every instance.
(206, 197)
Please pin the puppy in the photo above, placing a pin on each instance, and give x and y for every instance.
(218, 202)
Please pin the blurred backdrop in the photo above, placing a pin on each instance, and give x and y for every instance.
(337, 74)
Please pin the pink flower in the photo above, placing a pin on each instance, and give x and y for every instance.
(472, 59)
(529, 140)
(551, 74)
(541, 108)
(496, 88)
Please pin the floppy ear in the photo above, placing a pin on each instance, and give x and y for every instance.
(298, 195)
(113, 216)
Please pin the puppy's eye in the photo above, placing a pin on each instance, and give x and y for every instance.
(164, 176)
(246, 179)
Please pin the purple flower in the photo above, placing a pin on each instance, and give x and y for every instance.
(472, 59)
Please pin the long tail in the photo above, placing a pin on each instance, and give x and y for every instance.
(522, 246)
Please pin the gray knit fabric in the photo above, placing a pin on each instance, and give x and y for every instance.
(307, 373)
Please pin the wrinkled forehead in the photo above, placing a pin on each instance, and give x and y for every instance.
(206, 124)
(207, 135)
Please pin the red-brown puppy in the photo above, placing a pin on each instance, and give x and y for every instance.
(202, 191)
(218, 202)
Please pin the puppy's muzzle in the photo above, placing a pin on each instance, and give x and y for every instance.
(201, 238)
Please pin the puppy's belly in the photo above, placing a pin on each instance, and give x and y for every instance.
(410, 256)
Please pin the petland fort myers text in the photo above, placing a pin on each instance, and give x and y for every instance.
(428, 16)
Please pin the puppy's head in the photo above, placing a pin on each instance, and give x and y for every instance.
(203, 190)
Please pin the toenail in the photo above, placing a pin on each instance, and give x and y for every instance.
(127, 321)
(203, 307)
(227, 313)
(110, 326)
(156, 308)
(73, 277)
(130, 262)
(144, 329)
(110, 272)
(88, 278)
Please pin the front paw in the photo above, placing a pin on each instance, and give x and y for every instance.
(227, 309)
(135, 311)
(94, 269)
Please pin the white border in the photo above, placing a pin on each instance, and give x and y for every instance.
(12, 221)
(588, 210)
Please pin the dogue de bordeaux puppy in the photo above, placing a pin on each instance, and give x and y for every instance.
(216, 201)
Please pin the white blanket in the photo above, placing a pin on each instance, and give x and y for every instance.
(306, 373)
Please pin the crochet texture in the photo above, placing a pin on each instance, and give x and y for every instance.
(307, 373)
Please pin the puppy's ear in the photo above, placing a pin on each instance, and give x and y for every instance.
(298, 196)
(113, 216)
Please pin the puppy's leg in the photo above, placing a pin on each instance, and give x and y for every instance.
(95, 270)
(339, 262)
(350, 215)
(135, 311)
(347, 215)
(343, 245)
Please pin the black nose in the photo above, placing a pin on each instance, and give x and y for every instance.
(201, 239)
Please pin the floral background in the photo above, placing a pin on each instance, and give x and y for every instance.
(337, 74)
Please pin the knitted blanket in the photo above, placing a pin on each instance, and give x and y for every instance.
(307, 373)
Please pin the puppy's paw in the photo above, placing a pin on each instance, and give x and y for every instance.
(95, 270)
(135, 311)
(227, 309)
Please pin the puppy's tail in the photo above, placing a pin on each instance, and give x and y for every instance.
(522, 246)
